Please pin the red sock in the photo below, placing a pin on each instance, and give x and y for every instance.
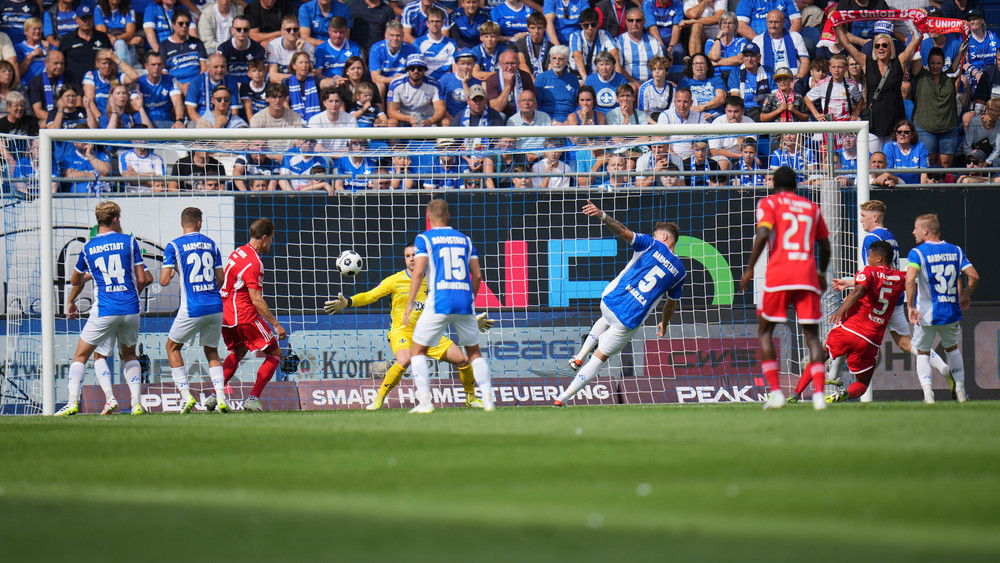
(818, 371)
(229, 366)
(804, 381)
(771, 374)
(856, 389)
(265, 373)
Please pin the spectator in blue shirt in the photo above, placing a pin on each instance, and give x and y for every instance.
(726, 50)
(163, 99)
(116, 18)
(465, 23)
(904, 153)
(557, 88)
(198, 97)
(664, 18)
(563, 19)
(387, 58)
(14, 14)
(332, 54)
(752, 15)
(32, 51)
(315, 16)
(184, 55)
(158, 22)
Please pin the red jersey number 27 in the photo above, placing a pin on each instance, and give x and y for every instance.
(797, 240)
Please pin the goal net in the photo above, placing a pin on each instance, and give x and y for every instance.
(519, 198)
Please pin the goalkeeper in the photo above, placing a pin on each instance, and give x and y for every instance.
(400, 335)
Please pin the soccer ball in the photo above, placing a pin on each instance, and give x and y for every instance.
(350, 263)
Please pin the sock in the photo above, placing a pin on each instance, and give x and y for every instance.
(229, 367)
(133, 376)
(770, 368)
(856, 389)
(586, 374)
(265, 373)
(421, 377)
(481, 374)
(818, 371)
(180, 377)
(937, 363)
(468, 380)
(392, 377)
(217, 373)
(957, 366)
(103, 373)
(804, 381)
(595, 333)
(76, 372)
(835, 367)
(924, 371)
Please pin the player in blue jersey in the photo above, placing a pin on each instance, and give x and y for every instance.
(115, 262)
(653, 271)
(198, 262)
(873, 223)
(451, 265)
(936, 297)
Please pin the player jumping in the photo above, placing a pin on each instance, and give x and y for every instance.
(115, 262)
(789, 225)
(401, 337)
(198, 261)
(863, 317)
(453, 277)
(872, 221)
(245, 314)
(936, 299)
(653, 271)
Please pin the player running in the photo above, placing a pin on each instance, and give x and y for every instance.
(401, 337)
(935, 308)
(792, 227)
(653, 271)
(872, 221)
(245, 314)
(863, 317)
(198, 261)
(115, 262)
(451, 264)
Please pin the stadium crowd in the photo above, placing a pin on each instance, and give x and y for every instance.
(932, 101)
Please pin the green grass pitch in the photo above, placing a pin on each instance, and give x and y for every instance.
(880, 482)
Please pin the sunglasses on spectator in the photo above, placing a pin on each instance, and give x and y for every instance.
(292, 29)
(882, 46)
(903, 131)
(221, 98)
(635, 20)
(241, 29)
(182, 23)
(588, 25)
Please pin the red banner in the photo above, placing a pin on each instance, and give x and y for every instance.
(918, 17)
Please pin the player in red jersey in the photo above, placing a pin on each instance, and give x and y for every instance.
(863, 317)
(245, 314)
(792, 227)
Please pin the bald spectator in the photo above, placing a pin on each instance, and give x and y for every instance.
(198, 98)
(529, 116)
(505, 86)
(43, 88)
(782, 48)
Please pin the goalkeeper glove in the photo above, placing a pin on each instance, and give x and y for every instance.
(336, 305)
(485, 323)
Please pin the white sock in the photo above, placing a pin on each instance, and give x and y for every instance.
(957, 366)
(481, 372)
(133, 376)
(180, 377)
(218, 381)
(937, 363)
(103, 373)
(591, 342)
(76, 372)
(586, 374)
(924, 371)
(422, 377)
(835, 367)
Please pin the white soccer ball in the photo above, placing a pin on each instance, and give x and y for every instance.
(350, 263)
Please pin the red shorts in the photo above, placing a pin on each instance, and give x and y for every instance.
(774, 306)
(861, 354)
(255, 335)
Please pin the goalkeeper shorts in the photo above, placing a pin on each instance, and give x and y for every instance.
(403, 340)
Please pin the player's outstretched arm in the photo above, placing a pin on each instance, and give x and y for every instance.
(264, 311)
(669, 306)
(615, 226)
(763, 233)
(842, 283)
(336, 305)
(853, 297)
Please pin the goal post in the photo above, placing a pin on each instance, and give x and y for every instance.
(567, 244)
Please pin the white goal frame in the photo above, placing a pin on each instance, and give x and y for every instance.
(48, 136)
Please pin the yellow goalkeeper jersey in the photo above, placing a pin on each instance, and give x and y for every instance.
(397, 285)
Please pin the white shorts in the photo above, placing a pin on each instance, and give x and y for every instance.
(100, 329)
(431, 326)
(898, 323)
(184, 329)
(106, 347)
(617, 336)
(923, 336)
